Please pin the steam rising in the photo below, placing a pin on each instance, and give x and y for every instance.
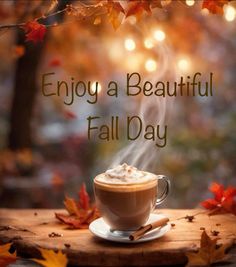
(142, 153)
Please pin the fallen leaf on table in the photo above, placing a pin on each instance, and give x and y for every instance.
(215, 6)
(224, 200)
(52, 258)
(208, 253)
(5, 256)
(81, 213)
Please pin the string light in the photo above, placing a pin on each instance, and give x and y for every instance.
(229, 13)
(129, 44)
(183, 64)
(96, 86)
(148, 43)
(190, 2)
(159, 35)
(150, 65)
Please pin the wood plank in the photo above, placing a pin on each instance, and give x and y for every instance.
(29, 229)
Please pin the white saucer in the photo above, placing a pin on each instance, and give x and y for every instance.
(101, 229)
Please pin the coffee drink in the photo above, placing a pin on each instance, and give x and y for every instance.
(126, 196)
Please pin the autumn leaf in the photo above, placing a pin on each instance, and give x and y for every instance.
(114, 10)
(69, 115)
(223, 201)
(97, 20)
(34, 31)
(81, 213)
(83, 198)
(18, 51)
(214, 6)
(5, 256)
(208, 253)
(137, 8)
(55, 62)
(52, 258)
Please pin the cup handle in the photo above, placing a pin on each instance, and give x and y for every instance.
(166, 190)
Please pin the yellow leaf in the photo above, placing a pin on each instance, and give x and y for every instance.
(52, 258)
(5, 256)
(97, 21)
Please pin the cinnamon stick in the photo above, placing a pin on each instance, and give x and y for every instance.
(144, 229)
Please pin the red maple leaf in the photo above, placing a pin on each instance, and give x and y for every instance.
(215, 6)
(81, 213)
(34, 31)
(83, 198)
(223, 201)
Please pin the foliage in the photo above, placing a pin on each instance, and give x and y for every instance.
(224, 199)
(52, 258)
(5, 256)
(113, 10)
(208, 253)
(81, 213)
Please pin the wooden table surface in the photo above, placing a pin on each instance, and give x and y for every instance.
(29, 229)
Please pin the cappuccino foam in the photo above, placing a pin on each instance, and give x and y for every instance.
(125, 174)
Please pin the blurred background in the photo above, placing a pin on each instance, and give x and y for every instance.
(44, 149)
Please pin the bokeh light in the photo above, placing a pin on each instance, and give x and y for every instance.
(190, 2)
(129, 44)
(229, 13)
(183, 64)
(159, 35)
(148, 43)
(96, 86)
(150, 65)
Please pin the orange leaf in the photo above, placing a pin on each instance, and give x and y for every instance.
(34, 31)
(114, 10)
(214, 6)
(5, 256)
(137, 8)
(18, 51)
(217, 190)
(81, 213)
(224, 199)
(208, 252)
(52, 258)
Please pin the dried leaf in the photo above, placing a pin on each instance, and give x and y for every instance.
(137, 8)
(224, 199)
(208, 252)
(5, 256)
(52, 259)
(81, 213)
(214, 6)
(34, 31)
(97, 21)
(114, 9)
